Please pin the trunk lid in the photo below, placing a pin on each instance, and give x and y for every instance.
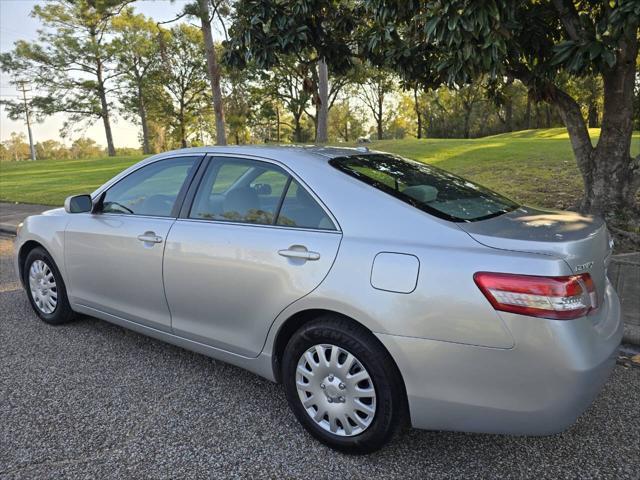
(582, 241)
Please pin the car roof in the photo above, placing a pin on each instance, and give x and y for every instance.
(283, 153)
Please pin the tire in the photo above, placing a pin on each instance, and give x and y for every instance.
(335, 385)
(49, 300)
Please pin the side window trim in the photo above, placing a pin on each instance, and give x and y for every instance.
(197, 180)
(194, 185)
(283, 195)
(184, 188)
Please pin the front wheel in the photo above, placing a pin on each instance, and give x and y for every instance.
(342, 385)
(45, 288)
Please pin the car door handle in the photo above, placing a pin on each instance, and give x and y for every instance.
(150, 237)
(299, 252)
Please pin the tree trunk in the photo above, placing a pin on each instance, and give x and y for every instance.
(322, 109)
(346, 131)
(611, 177)
(277, 124)
(418, 113)
(509, 115)
(379, 115)
(614, 177)
(508, 106)
(183, 133)
(467, 122)
(547, 112)
(142, 113)
(297, 129)
(527, 114)
(111, 149)
(213, 70)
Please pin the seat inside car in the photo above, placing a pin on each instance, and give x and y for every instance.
(241, 200)
(304, 211)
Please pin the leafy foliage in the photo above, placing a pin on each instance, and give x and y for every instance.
(71, 62)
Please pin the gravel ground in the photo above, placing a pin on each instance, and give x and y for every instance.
(92, 400)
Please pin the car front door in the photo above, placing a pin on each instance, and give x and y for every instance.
(253, 241)
(114, 256)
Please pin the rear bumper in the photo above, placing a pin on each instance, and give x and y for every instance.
(538, 387)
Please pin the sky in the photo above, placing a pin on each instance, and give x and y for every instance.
(17, 24)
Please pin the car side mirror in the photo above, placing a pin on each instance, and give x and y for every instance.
(78, 204)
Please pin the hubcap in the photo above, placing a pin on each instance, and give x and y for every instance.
(336, 390)
(42, 285)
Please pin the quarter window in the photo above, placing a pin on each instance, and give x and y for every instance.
(299, 209)
(151, 190)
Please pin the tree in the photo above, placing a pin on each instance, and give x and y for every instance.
(21, 109)
(346, 121)
(269, 120)
(4, 154)
(456, 42)
(289, 82)
(264, 37)
(213, 69)
(374, 91)
(238, 102)
(16, 147)
(184, 78)
(418, 108)
(587, 91)
(85, 148)
(71, 62)
(51, 150)
(535, 43)
(137, 53)
(469, 95)
(206, 11)
(325, 89)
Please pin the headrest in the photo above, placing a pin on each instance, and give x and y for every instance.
(422, 193)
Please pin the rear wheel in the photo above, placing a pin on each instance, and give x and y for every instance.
(342, 385)
(45, 288)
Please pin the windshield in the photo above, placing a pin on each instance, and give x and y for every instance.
(425, 187)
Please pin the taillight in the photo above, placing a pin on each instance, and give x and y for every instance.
(561, 298)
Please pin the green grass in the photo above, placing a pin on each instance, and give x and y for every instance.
(533, 166)
(50, 181)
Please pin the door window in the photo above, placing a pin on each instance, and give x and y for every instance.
(239, 191)
(250, 191)
(151, 190)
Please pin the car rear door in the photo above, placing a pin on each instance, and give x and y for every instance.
(251, 240)
(114, 256)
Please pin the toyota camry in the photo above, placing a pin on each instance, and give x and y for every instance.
(378, 290)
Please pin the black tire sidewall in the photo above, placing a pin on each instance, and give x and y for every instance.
(62, 313)
(375, 360)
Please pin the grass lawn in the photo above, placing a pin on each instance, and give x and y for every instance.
(533, 166)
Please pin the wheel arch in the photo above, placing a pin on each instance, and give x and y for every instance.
(298, 319)
(25, 248)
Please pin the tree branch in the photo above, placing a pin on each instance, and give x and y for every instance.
(178, 17)
(574, 121)
(569, 18)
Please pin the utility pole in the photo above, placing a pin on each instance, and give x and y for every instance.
(24, 89)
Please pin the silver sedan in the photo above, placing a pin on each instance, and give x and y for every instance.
(379, 290)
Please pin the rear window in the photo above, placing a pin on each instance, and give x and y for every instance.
(426, 187)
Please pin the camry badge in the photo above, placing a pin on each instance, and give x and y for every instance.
(584, 266)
